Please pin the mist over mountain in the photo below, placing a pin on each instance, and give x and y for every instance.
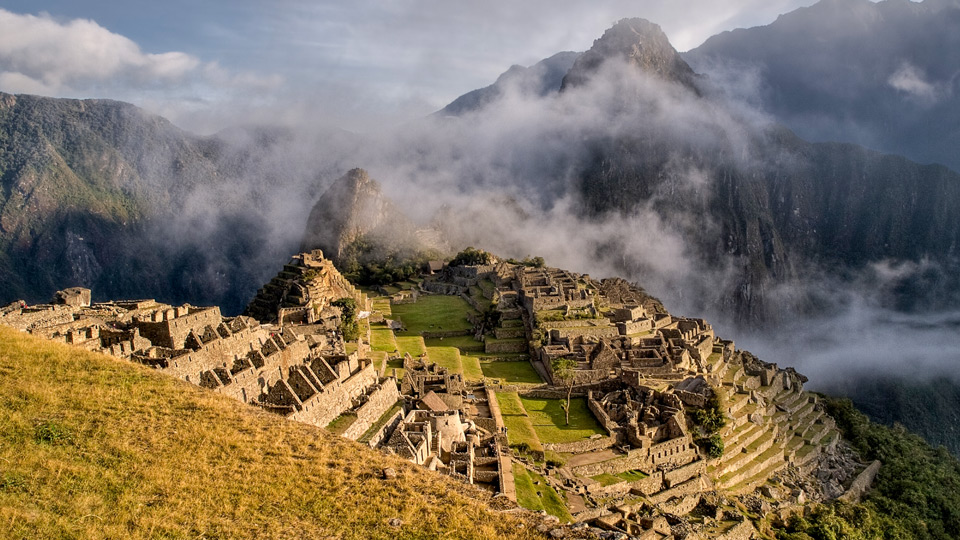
(639, 167)
(884, 75)
(102, 194)
(543, 78)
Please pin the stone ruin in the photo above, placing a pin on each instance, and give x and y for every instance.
(287, 363)
(642, 372)
(449, 429)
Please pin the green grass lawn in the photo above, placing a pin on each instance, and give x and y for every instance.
(471, 368)
(433, 313)
(510, 372)
(411, 344)
(382, 304)
(547, 418)
(539, 495)
(382, 339)
(448, 357)
(464, 343)
(519, 428)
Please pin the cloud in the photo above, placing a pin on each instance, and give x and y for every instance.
(911, 80)
(79, 58)
(79, 52)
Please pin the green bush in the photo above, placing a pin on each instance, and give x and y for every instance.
(712, 445)
(471, 257)
(710, 417)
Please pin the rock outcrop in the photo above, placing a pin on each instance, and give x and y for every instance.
(354, 221)
(640, 43)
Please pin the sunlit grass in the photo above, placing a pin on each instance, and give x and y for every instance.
(433, 313)
(549, 421)
(94, 447)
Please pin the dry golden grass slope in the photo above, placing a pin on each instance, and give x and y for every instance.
(94, 447)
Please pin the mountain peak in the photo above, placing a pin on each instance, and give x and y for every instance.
(639, 42)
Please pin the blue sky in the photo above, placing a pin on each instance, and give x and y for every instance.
(353, 64)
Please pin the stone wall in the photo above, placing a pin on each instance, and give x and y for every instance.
(560, 334)
(323, 407)
(634, 327)
(582, 446)
(166, 329)
(575, 323)
(505, 347)
(378, 400)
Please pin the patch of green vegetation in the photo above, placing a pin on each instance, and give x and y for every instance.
(519, 429)
(471, 257)
(448, 357)
(395, 363)
(382, 339)
(535, 494)
(632, 476)
(547, 418)
(348, 318)
(340, 424)
(556, 459)
(471, 368)
(433, 313)
(510, 372)
(607, 479)
(533, 262)
(712, 445)
(379, 359)
(411, 344)
(464, 343)
(51, 432)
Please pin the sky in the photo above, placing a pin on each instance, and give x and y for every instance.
(356, 65)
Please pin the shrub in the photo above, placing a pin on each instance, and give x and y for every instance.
(712, 445)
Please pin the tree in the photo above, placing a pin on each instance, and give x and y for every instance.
(564, 370)
(471, 257)
(349, 326)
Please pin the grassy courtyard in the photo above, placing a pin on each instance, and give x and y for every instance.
(548, 420)
(433, 313)
(520, 372)
(448, 357)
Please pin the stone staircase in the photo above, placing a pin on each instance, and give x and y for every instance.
(793, 430)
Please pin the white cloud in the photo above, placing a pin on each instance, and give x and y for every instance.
(79, 58)
(78, 52)
(913, 82)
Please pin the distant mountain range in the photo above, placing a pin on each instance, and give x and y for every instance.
(101, 194)
(885, 75)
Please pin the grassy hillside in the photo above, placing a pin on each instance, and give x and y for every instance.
(93, 447)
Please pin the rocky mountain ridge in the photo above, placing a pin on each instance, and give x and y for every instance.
(880, 74)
